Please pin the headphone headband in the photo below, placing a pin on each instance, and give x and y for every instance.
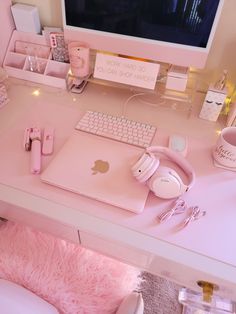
(177, 158)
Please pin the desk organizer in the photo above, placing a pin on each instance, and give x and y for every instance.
(24, 50)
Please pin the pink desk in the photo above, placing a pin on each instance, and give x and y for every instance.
(205, 250)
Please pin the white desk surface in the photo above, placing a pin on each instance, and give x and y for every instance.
(207, 245)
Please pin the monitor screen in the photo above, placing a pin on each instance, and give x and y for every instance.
(173, 31)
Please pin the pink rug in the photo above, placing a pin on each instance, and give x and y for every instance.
(73, 279)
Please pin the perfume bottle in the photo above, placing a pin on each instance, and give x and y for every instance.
(193, 303)
(220, 84)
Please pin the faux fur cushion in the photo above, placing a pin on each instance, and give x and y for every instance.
(73, 279)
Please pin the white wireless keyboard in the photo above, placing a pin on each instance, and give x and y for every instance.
(117, 128)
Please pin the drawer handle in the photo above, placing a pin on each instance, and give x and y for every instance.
(207, 290)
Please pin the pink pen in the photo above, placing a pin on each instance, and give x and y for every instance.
(35, 158)
(27, 140)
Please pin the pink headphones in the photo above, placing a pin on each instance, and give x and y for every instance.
(163, 181)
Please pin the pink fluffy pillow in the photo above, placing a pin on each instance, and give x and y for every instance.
(72, 278)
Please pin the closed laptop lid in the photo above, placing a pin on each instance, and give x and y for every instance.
(99, 168)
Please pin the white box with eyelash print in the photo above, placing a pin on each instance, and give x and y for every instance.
(213, 104)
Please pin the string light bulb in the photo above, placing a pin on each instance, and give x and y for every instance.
(36, 92)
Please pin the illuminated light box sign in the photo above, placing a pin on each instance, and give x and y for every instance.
(126, 71)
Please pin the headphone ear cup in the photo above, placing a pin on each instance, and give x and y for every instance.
(166, 183)
(145, 167)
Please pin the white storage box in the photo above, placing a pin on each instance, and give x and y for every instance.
(213, 104)
(26, 18)
(177, 78)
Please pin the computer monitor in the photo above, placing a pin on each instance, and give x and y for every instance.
(178, 32)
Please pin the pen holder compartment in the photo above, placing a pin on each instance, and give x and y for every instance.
(14, 60)
(57, 69)
(34, 64)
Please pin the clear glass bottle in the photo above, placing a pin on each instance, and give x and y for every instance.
(193, 303)
(221, 83)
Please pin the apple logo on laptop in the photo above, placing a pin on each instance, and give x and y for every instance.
(100, 166)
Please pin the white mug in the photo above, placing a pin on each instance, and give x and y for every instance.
(224, 152)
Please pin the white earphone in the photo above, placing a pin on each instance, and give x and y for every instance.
(163, 181)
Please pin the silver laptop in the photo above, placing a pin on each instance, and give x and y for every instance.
(99, 168)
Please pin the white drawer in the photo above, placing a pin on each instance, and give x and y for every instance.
(38, 222)
(116, 250)
(187, 276)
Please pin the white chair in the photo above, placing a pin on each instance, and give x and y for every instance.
(16, 299)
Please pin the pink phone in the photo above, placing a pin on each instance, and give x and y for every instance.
(59, 47)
